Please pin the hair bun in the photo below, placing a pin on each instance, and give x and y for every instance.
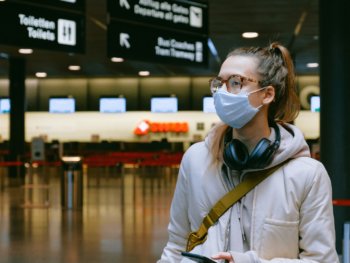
(274, 48)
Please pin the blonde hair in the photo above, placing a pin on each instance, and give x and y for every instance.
(275, 68)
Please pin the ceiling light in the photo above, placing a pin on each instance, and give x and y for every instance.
(25, 50)
(250, 34)
(74, 67)
(41, 74)
(115, 59)
(312, 65)
(144, 73)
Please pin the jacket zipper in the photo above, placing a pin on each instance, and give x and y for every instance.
(239, 213)
(240, 210)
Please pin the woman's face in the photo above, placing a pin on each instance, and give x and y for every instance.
(244, 66)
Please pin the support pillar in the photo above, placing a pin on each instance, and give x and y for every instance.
(335, 103)
(17, 70)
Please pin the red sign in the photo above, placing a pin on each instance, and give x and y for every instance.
(145, 127)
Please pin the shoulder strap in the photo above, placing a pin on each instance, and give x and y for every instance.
(228, 200)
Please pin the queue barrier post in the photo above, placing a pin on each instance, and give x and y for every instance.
(72, 182)
(346, 243)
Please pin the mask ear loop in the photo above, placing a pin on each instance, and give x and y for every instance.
(254, 91)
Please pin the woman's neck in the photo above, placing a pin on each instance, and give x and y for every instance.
(252, 133)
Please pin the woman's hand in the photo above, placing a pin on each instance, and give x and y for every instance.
(223, 255)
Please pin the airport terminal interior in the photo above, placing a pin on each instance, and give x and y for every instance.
(99, 101)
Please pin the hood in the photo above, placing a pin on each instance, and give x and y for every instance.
(292, 145)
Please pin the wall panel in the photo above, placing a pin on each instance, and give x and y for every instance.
(180, 86)
(200, 88)
(4, 87)
(138, 91)
(111, 87)
(62, 87)
(32, 92)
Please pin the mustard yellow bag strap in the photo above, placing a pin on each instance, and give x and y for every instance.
(228, 200)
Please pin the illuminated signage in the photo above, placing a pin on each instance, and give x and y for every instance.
(146, 127)
(70, 5)
(163, 46)
(315, 103)
(30, 27)
(208, 105)
(61, 105)
(158, 31)
(5, 105)
(189, 16)
(164, 104)
(112, 105)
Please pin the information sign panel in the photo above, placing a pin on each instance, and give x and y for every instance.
(34, 27)
(155, 45)
(189, 16)
(70, 5)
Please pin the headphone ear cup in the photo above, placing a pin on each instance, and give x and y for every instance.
(236, 155)
(261, 154)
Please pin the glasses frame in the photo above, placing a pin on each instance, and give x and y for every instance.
(225, 81)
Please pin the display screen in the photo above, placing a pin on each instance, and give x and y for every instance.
(208, 105)
(110, 105)
(164, 104)
(5, 105)
(61, 105)
(315, 104)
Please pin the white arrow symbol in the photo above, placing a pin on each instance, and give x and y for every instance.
(124, 3)
(123, 40)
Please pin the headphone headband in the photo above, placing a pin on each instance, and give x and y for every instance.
(237, 157)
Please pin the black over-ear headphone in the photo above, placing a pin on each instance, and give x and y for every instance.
(237, 157)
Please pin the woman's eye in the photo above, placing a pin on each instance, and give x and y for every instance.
(235, 83)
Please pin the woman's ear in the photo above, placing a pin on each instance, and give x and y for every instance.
(269, 95)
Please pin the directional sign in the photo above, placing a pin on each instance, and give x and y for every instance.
(70, 5)
(124, 40)
(41, 28)
(66, 32)
(189, 16)
(162, 46)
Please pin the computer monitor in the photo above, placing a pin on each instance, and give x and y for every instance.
(315, 104)
(164, 104)
(5, 105)
(112, 105)
(61, 105)
(208, 105)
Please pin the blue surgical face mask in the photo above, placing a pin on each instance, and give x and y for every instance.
(234, 109)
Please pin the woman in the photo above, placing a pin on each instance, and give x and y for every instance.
(288, 217)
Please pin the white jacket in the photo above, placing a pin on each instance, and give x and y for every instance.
(286, 218)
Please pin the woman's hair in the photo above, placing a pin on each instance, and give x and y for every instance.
(275, 68)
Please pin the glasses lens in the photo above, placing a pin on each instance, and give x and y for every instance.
(234, 84)
(215, 84)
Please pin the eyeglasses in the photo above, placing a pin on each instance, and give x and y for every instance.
(234, 83)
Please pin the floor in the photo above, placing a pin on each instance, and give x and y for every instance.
(123, 217)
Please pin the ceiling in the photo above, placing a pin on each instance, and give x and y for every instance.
(292, 22)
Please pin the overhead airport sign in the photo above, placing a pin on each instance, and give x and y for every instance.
(163, 46)
(70, 5)
(34, 27)
(189, 16)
